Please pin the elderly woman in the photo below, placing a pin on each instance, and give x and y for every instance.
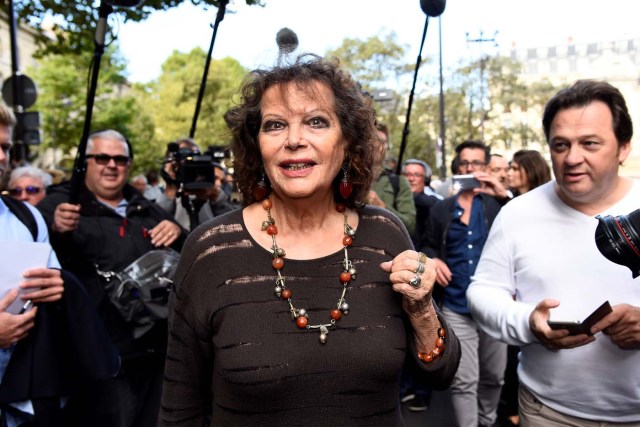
(302, 308)
(29, 184)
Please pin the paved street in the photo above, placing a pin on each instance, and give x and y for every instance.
(439, 413)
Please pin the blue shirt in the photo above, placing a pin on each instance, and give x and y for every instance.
(11, 228)
(464, 247)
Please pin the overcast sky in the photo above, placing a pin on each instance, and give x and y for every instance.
(248, 34)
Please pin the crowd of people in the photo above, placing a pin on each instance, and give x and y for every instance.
(314, 285)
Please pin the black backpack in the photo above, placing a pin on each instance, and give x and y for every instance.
(22, 212)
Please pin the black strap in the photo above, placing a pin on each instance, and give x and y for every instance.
(395, 183)
(22, 212)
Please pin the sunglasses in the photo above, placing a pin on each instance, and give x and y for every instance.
(105, 159)
(30, 189)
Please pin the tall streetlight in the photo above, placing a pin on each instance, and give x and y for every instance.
(480, 40)
(443, 152)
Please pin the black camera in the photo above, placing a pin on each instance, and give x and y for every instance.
(193, 171)
(618, 239)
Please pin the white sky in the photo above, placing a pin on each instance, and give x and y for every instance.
(249, 34)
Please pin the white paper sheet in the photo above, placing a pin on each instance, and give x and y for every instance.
(15, 258)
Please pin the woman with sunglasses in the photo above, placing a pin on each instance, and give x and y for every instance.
(29, 184)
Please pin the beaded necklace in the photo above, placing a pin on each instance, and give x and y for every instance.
(300, 315)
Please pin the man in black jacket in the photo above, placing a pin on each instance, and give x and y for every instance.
(458, 229)
(112, 226)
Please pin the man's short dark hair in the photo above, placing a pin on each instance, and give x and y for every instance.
(584, 92)
(475, 145)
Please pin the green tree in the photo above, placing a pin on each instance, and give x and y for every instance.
(379, 63)
(75, 20)
(63, 81)
(505, 113)
(171, 99)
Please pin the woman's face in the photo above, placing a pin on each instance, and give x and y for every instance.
(300, 140)
(517, 178)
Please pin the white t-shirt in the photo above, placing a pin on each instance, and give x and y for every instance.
(538, 248)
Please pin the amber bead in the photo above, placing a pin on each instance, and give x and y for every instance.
(336, 314)
(301, 322)
(345, 277)
(259, 191)
(340, 207)
(277, 263)
(426, 357)
(441, 332)
(286, 294)
(272, 230)
(266, 204)
(436, 351)
(440, 343)
(347, 240)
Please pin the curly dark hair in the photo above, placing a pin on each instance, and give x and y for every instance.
(354, 111)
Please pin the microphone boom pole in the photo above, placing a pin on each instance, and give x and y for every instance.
(219, 17)
(405, 131)
(79, 167)
(433, 9)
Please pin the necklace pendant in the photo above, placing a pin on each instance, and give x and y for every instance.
(323, 334)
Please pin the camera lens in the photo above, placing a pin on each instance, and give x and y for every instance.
(618, 239)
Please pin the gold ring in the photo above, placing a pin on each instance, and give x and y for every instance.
(422, 258)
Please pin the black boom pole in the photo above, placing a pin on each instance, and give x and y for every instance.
(219, 17)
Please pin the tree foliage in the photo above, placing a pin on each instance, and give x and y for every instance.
(74, 21)
(63, 85)
(484, 99)
(171, 99)
(378, 64)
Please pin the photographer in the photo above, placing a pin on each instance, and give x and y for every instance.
(194, 181)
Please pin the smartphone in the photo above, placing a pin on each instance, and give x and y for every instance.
(577, 327)
(464, 182)
(26, 307)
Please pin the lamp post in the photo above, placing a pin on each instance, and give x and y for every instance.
(480, 40)
(443, 152)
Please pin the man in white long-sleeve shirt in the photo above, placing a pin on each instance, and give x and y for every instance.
(541, 249)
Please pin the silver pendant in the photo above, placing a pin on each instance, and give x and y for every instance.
(323, 334)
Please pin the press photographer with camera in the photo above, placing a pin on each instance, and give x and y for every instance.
(194, 184)
(541, 263)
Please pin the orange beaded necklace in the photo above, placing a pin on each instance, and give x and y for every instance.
(300, 315)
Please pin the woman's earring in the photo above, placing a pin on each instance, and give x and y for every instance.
(345, 186)
(260, 188)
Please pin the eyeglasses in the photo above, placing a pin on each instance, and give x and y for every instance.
(30, 189)
(475, 164)
(105, 159)
(413, 175)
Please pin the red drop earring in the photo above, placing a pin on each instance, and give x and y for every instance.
(345, 187)
(260, 188)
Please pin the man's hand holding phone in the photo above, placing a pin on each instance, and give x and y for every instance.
(622, 326)
(577, 327)
(14, 327)
(553, 339)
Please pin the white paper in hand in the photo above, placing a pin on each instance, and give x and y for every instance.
(16, 257)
